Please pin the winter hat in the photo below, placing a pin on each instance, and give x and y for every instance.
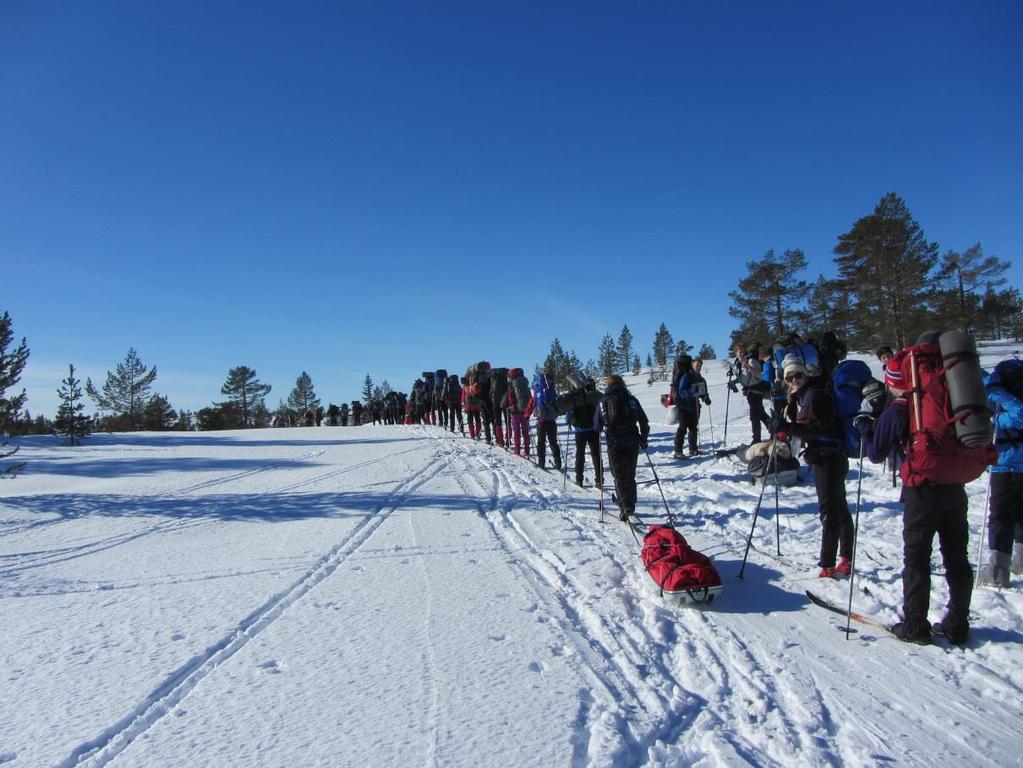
(792, 364)
(894, 371)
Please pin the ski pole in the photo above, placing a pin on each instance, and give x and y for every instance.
(600, 464)
(777, 503)
(980, 536)
(667, 509)
(728, 399)
(710, 419)
(756, 512)
(856, 533)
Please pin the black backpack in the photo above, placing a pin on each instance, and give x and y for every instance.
(619, 419)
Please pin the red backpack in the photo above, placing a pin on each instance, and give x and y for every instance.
(933, 452)
(676, 567)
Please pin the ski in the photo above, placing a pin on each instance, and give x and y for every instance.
(858, 617)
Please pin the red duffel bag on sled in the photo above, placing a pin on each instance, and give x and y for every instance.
(681, 573)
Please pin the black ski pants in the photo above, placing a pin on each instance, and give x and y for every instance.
(930, 509)
(1006, 517)
(455, 410)
(487, 414)
(583, 440)
(547, 432)
(623, 466)
(757, 416)
(836, 522)
(688, 425)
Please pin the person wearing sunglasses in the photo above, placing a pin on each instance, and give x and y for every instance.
(810, 415)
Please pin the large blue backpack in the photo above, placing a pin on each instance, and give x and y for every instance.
(847, 383)
(543, 390)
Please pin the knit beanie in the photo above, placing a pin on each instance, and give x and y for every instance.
(894, 371)
(791, 364)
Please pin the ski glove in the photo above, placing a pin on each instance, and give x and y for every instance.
(706, 400)
(864, 423)
(782, 436)
(732, 386)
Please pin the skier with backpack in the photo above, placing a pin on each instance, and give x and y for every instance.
(452, 397)
(580, 405)
(519, 408)
(471, 402)
(940, 420)
(1004, 387)
(622, 417)
(499, 404)
(690, 387)
(810, 415)
(545, 398)
(746, 373)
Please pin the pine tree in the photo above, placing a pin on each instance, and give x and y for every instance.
(607, 356)
(71, 422)
(885, 263)
(664, 346)
(367, 390)
(158, 415)
(126, 391)
(967, 273)
(11, 365)
(707, 352)
(245, 393)
(637, 366)
(559, 364)
(769, 292)
(302, 397)
(624, 349)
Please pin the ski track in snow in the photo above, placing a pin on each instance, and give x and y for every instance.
(113, 740)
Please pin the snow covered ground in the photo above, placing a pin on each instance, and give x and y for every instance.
(395, 596)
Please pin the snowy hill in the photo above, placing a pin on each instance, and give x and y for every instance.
(393, 596)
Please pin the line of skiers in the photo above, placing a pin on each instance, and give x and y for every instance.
(498, 404)
(931, 417)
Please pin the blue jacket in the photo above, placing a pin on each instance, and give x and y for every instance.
(1008, 411)
(689, 391)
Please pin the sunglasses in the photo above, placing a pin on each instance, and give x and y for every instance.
(797, 376)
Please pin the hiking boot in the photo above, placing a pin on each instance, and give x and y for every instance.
(844, 567)
(955, 631)
(678, 455)
(827, 572)
(912, 632)
(579, 482)
(625, 515)
(995, 572)
(1016, 566)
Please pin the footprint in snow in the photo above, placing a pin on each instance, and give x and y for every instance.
(178, 636)
(497, 638)
(271, 666)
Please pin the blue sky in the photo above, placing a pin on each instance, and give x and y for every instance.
(387, 187)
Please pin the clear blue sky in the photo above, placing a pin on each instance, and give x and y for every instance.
(385, 187)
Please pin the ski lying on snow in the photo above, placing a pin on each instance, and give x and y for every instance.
(858, 617)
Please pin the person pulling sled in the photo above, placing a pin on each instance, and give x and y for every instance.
(622, 418)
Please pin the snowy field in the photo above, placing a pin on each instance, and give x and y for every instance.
(398, 596)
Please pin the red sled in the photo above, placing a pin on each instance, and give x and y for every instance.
(682, 574)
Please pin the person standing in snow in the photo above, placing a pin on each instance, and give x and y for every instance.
(811, 416)
(580, 405)
(545, 407)
(928, 508)
(748, 372)
(519, 407)
(1005, 517)
(622, 417)
(690, 388)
